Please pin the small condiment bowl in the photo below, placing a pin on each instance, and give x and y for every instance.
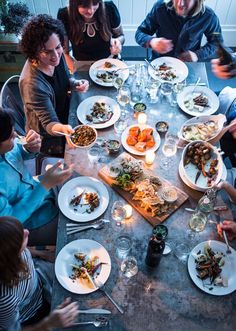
(139, 107)
(84, 131)
(113, 146)
(169, 194)
(160, 230)
(162, 127)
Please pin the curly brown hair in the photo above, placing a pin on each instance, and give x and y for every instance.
(76, 21)
(37, 32)
(12, 267)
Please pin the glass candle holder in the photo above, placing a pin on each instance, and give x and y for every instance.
(128, 211)
(150, 157)
(142, 118)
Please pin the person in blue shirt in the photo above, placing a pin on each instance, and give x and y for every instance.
(176, 28)
(32, 202)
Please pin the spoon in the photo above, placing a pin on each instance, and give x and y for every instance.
(96, 226)
(62, 133)
(100, 285)
(98, 323)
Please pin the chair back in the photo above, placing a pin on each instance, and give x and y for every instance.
(10, 101)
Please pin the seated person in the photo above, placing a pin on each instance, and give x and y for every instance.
(32, 202)
(45, 82)
(23, 286)
(229, 227)
(179, 27)
(93, 28)
(224, 71)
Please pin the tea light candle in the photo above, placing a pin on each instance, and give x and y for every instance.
(128, 211)
(150, 157)
(142, 118)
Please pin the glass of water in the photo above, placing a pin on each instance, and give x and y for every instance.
(166, 90)
(123, 99)
(129, 266)
(152, 88)
(94, 153)
(120, 125)
(118, 212)
(169, 149)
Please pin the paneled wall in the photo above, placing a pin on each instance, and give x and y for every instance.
(134, 11)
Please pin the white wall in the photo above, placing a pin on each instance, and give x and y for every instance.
(134, 11)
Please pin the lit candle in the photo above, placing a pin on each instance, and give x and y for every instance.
(128, 211)
(150, 157)
(142, 118)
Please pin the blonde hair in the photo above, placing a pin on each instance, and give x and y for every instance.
(199, 6)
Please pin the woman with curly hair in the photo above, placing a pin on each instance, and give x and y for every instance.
(23, 285)
(45, 82)
(94, 29)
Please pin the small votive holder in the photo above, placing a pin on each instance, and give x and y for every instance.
(150, 157)
(128, 211)
(142, 118)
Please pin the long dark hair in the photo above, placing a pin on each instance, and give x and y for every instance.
(6, 125)
(76, 21)
(12, 267)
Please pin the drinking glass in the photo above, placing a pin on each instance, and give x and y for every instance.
(118, 212)
(123, 99)
(198, 221)
(166, 90)
(181, 251)
(123, 246)
(120, 125)
(152, 88)
(94, 153)
(129, 266)
(117, 81)
(169, 149)
(176, 89)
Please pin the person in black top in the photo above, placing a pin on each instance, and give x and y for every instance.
(93, 28)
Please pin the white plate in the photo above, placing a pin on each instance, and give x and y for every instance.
(219, 119)
(228, 270)
(65, 258)
(187, 94)
(191, 170)
(194, 186)
(131, 149)
(85, 108)
(98, 65)
(179, 68)
(76, 186)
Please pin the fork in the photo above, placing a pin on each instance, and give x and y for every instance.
(98, 323)
(100, 285)
(228, 250)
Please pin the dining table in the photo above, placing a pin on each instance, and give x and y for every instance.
(161, 298)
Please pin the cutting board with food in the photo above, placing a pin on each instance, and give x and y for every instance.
(153, 197)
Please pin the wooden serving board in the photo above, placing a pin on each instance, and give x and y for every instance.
(154, 220)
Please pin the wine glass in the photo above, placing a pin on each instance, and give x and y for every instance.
(117, 81)
(118, 212)
(123, 99)
(129, 266)
(169, 149)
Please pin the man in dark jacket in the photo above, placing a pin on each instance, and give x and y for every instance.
(179, 26)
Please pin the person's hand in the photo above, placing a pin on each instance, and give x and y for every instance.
(82, 85)
(56, 176)
(33, 140)
(188, 56)
(229, 227)
(220, 185)
(161, 45)
(63, 316)
(116, 46)
(63, 128)
(222, 71)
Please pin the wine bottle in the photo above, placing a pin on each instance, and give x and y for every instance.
(155, 250)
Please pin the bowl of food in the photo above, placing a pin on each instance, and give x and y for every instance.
(112, 146)
(169, 194)
(139, 107)
(162, 127)
(84, 136)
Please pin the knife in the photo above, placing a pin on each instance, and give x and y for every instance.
(95, 311)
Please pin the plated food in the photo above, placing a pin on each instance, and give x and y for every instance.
(202, 164)
(98, 111)
(211, 270)
(83, 199)
(81, 261)
(204, 128)
(112, 146)
(168, 69)
(137, 139)
(198, 101)
(84, 136)
(102, 71)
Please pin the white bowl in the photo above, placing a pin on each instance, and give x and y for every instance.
(190, 170)
(83, 129)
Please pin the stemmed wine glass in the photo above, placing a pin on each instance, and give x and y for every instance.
(123, 99)
(117, 81)
(169, 149)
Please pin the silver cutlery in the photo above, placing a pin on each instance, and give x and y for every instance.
(98, 323)
(95, 311)
(151, 65)
(196, 84)
(81, 225)
(100, 285)
(96, 226)
(228, 250)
